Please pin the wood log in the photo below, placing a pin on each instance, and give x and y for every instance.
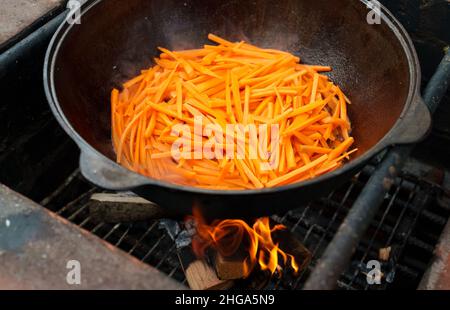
(230, 267)
(122, 207)
(199, 274)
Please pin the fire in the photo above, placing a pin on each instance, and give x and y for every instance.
(227, 236)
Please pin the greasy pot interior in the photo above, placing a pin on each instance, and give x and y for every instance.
(116, 39)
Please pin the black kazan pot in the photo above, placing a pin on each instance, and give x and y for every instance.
(375, 64)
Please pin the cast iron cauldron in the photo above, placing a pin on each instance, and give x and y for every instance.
(376, 65)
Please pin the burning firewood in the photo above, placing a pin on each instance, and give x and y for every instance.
(122, 207)
(241, 248)
(231, 267)
(199, 274)
(290, 243)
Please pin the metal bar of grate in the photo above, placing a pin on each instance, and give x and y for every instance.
(438, 84)
(155, 245)
(75, 202)
(124, 234)
(147, 232)
(61, 188)
(381, 222)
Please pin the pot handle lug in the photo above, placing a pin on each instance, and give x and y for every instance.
(414, 125)
(108, 175)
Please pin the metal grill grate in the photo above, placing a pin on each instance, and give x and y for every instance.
(145, 241)
(410, 222)
(410, 206)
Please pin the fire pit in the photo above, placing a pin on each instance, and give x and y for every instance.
(414, 202)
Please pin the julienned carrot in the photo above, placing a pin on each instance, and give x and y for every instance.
(231, 83)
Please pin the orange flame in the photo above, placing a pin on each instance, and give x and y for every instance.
(228, 235)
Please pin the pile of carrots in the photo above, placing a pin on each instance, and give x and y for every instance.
(231, 83)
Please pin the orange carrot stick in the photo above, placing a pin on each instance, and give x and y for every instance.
(236, 83)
